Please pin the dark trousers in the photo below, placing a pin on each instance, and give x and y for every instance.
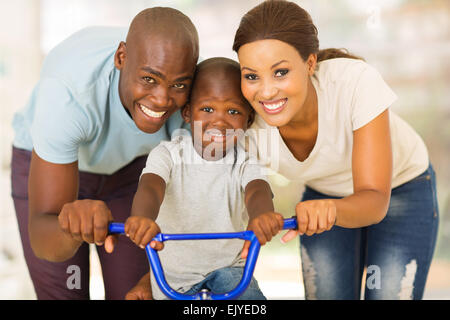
(121, 270)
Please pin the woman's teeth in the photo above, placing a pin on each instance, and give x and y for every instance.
(151, 113)
(274, 106)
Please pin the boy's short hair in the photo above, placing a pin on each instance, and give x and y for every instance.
(225, 64)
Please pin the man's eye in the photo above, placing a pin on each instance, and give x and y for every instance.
(149, 79)
(232, 111)
(250, 76)
(281, 72)
(179, 85)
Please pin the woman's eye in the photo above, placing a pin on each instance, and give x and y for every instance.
(149, 79)
(232, 111)
(281, 72)
(250, 76)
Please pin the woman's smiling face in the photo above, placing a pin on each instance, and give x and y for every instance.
(275, 79)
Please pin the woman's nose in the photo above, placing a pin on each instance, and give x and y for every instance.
(268, 90)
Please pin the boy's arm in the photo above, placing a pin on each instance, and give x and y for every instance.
(149, 196)
(258, 198)
(263, 221)
(144, 211)
(141, 227)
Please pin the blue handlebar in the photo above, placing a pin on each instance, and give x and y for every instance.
(152, 255)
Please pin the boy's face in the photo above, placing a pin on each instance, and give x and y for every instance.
(218, 113)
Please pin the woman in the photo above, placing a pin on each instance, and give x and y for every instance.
(370, 197)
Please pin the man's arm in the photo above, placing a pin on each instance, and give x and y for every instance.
(58, 222)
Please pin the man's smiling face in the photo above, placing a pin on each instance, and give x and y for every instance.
(155, 78)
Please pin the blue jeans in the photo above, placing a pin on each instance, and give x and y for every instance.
(397, 251)
(226, 279)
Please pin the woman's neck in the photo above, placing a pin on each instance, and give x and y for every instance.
(304, 124)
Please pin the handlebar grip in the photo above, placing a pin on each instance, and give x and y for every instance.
(291, 223)
(116, 228)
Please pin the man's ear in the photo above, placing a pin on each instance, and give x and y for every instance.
(186, 113)
(120, 55)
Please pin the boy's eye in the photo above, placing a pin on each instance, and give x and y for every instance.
(149, 79)
(233, 111)
(250, 76)
(207, 109)
(281, 72)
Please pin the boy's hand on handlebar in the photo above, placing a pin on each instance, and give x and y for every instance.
(264, 226)
(141, 230)
(87, 220)
(313, 217)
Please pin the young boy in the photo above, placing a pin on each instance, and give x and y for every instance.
(208, 185)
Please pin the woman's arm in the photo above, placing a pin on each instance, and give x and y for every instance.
(372, 175)
(372, 172)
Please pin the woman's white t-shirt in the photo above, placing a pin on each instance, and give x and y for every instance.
(350, 94)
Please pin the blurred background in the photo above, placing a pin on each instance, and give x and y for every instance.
(408, 41)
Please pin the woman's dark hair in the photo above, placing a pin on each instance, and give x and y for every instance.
(287, 22)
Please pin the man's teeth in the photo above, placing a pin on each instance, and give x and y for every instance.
(151, 113)
(274, 106)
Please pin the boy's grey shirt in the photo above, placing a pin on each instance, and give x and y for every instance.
(201, 197)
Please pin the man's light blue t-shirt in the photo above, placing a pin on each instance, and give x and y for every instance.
(75, 113)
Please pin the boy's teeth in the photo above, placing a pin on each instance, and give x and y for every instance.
(151, 113)
(218, 134)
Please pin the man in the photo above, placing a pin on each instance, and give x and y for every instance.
(100, 106)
